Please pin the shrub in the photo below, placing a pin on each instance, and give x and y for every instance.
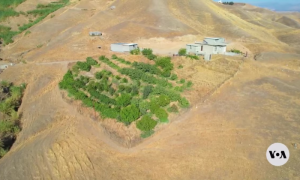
(161, 114)
(236, 51)
(124, 100)
(135, 90)
(84, 66)
(147, 91)
(135, 51)
(166, 73)
(182, 52)
(121, 88)
(90, 61)
(180, 66)
(146, 123)
(165, 63)
(129, 114)
(147, 51)
(182, 81)
(98, 75)
(163, 100)
(144, 106)
(174, 77)
(189, 84)
(128, 89)
(118, 77)
(173, 109)
(114, 56)
(146, 68)
(146, 134)
(184, 102)
(154, 106)
(193, 57)
(151, 56)
(124, 80)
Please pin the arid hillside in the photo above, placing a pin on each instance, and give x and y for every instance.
(66, 30)
(239, 106)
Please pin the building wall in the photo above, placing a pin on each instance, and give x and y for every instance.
(122, 48)
(192, 49)
(116, 48)
(3, 66)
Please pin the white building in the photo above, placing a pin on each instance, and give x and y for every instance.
(123, 47)
(208, 47)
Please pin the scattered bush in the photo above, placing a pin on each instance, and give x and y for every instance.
(146, 123)
(84, 66)
(236, 51)
(182, 81)
(161, 114)
(144, 106)
(146, 134)
(189, 84)
(147, 91)
(165, 63)
(193, 57)
(163, 100)
(180, 66)
(124, 100)
(174, 77)
(124, 80)
(114, 56)
(147, 51)
(173, 109)
(184, 102)
(182, 52)
(135, 51)
(90, 61)
(129, 114)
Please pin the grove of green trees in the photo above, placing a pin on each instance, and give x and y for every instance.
(10, 126)
(135, 92)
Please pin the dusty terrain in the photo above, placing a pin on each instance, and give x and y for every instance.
(235, 115)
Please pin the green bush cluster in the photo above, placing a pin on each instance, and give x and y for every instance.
(228, 3)
(84, 66)
(146, 68)
(108, 62)
(192, 56)
(129, 114)
(173, 109)
(114, 97)
(135, 51)
(41, 10)
(147, 52)
(123, 61)
(90, 61)
(236, 51)
(137, 74)
(182, 52)
(11, 99)
(146, 123)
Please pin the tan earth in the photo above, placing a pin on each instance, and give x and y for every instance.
(240, 106)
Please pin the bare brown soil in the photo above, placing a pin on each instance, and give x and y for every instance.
(239, 107)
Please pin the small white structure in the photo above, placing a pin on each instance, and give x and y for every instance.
(220, 1)
(123, 47)
(112, 7)
(95, 33)
(5, 65)
(208, 47)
